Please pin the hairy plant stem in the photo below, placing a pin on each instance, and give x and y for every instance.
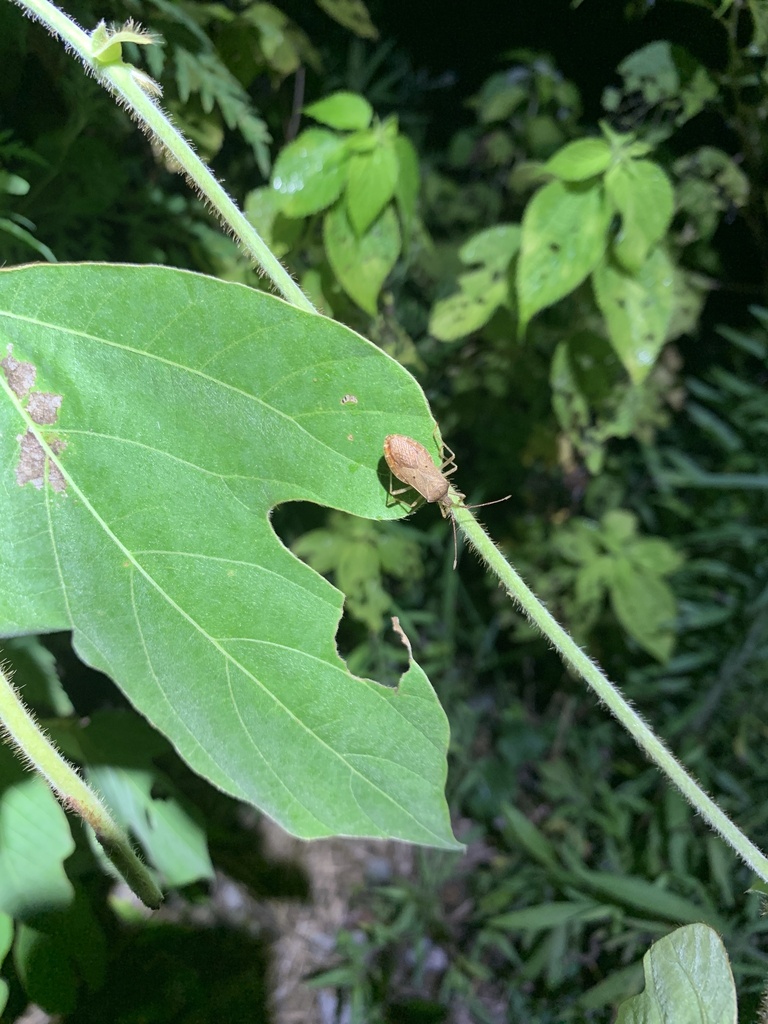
(607, 692)
(24, 733)
(123, 82)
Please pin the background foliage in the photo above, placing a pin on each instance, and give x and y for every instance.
(614, 207)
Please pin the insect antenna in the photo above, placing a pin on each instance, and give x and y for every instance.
(453, 508)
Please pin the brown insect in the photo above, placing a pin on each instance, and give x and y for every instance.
(411, 464)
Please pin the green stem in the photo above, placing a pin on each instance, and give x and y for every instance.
(607, 692)
(36, 749)
(123, 82)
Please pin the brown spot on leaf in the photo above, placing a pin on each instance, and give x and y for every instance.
(20, 376)
(32, 460)
(43, 407)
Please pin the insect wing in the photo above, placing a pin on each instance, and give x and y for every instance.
(410, 462)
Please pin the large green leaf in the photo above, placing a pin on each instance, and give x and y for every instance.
(170, 412)
(688, 980)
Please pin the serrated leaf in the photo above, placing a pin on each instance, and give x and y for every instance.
(687, 978)
(637, 310)
(344, 111)
(371, 184)
(310, 173)
(579, 160)
(645, 606)
(188, 409)
(361, 265)
(643, 196)
(563, 239)
(35, 840)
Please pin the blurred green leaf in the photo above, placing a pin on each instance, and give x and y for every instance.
(35, 841)
(637, 309)
(13, 184)
(483, 289)
(310, 173)
(408, 183)
(645, 606)
(468, 309)
(118, 749)
(361, 265)
(564, 235)
(59, 952)
(352, 14)
(547, 915)
(10, 227)
(344, 111)
(522, 830)
(580, 160)
(646, 897)
(6, 938)
(264, 209)
(371, 183)
(358, 553)
(643, 196)
(494, 247)
(35, 676)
